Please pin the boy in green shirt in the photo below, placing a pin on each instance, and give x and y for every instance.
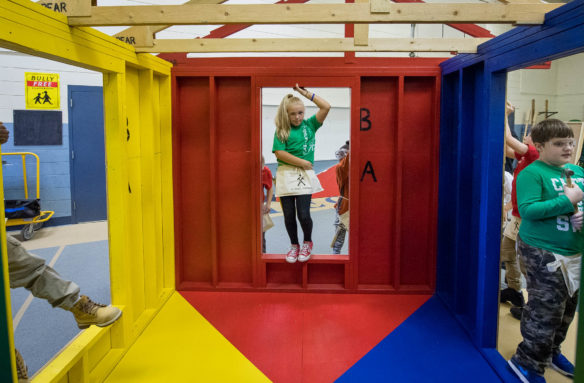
(549, 245)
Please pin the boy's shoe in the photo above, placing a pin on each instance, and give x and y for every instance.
(21, 369)
(87, 312)
(305, 252)
(516, 312)
(562, 365)
(292, 255)
(525, 375)
(513, 296)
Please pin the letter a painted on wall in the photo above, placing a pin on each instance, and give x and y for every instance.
(368, 170)
(42, 90)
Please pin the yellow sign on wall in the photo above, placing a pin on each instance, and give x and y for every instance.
(42, 90)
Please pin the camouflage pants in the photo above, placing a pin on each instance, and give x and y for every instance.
(548, 312)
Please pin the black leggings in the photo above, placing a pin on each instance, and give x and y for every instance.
(297, 204)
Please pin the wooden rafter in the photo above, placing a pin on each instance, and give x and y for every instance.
(144, 34)
(313, 45)
(379, 11)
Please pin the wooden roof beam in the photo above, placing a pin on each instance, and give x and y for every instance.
(460, 45)
(379, 11)
(143, 35)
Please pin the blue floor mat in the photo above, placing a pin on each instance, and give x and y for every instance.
(429, 346)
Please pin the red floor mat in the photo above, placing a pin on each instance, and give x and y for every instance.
(297, 337)
(328, 180)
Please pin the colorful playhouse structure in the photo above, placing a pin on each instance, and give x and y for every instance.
(415, 300)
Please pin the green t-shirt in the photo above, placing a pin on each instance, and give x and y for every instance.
(545, 210)
(301, 140)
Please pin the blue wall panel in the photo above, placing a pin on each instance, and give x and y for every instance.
(471, 158)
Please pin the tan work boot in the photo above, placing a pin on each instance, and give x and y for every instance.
(87, 312)
(21, 369)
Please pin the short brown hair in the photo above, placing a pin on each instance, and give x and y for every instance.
(550, 128)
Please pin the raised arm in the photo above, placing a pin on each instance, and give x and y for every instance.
(323, 105)
(512, 142)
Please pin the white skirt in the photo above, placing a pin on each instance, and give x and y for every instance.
(292, 180)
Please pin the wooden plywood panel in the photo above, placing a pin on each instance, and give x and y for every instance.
(234, 192)
(419, 132)
(193, 184)
(376, 187)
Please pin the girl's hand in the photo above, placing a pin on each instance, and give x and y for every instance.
(300, 90)
(306, 165)
(266, 208)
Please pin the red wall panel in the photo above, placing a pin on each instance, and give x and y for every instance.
(394, 133)
(419, 132)
(379, 115)
(234, 192)
(195, 185)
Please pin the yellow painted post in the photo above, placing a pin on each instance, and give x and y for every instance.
(115, 122)
(167, 180)
(147, 167)
(159, 254)
(7, 357)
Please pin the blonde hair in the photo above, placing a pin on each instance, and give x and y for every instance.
(282, 121)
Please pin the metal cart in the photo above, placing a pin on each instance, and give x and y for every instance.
(34, 223)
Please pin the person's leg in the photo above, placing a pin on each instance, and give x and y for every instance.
(303, 211)
(31, 272)
(509, 257)
(544, 310)
(263, 241)
(562, 330)
(289, 209)
(340, 240)
(558, 361)
(512, 274)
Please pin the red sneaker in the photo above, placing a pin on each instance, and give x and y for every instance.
(305, 252)
(292, 255)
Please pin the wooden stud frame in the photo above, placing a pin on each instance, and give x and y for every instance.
(138, 135)
(461, 45)
(379, 11)
(147, 20)
(197, 262)
(469, 220)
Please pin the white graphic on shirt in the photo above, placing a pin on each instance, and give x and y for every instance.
(563, 221)
(307, 148)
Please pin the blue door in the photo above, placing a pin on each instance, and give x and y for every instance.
(87, 154)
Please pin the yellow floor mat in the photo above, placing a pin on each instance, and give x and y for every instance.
(181, 346)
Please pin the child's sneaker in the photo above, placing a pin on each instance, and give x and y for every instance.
(516, 312)
(305, 252)
(525, 375)
(562, 365)
(292, 255)
(512, 296)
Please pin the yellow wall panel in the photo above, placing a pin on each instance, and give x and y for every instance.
(139, 178)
